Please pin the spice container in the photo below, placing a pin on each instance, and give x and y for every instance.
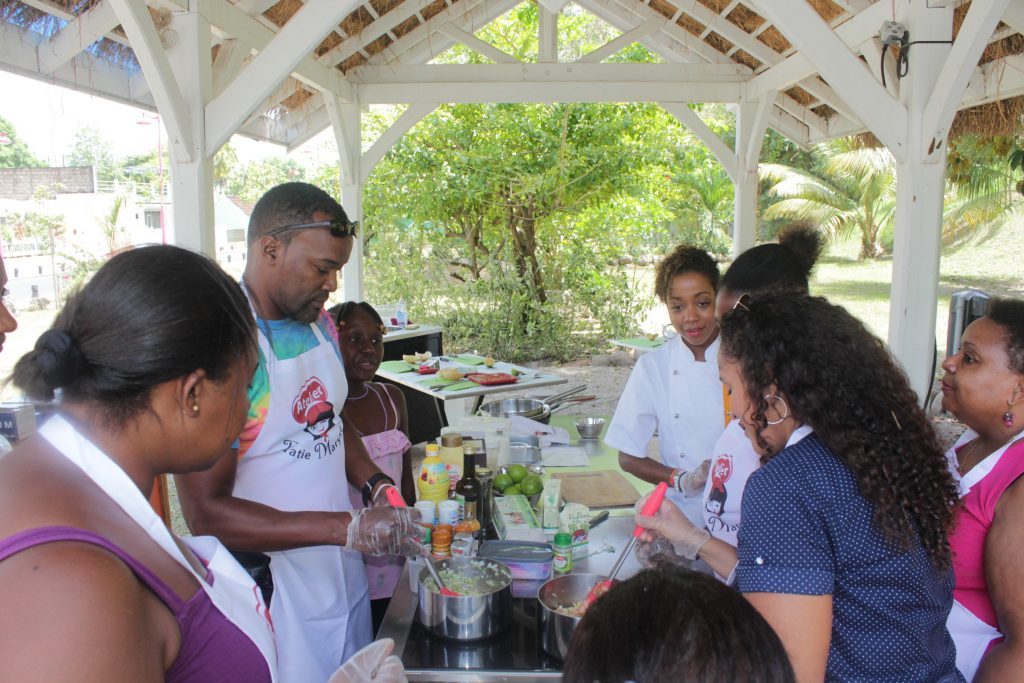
(441, 545)
(562, 546)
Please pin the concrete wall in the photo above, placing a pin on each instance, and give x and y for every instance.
(21, 183)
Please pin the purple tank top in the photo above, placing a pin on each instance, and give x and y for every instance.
(212, 648)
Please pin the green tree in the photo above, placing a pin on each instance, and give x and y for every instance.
(90, 148)
(256, 177)
(14, 153)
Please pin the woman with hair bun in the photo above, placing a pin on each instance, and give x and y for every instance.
(150, 362)
(786, 264)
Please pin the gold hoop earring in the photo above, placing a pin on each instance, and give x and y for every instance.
(776, 397)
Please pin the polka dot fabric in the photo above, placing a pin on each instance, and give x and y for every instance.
(807, 531)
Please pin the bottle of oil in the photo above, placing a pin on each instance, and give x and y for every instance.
(433, 480)
(467, 493)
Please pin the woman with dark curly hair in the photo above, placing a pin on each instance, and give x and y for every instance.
(675, 390)
(843, 546)
(983, 385)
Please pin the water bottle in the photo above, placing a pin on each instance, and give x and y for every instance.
(401, 317)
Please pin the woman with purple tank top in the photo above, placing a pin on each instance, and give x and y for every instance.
(149, 364)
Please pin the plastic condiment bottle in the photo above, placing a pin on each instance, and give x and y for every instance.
(401, 315)
(562, 563)
(452, 457)
(433, 482)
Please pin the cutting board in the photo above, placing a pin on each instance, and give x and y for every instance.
(597, 489)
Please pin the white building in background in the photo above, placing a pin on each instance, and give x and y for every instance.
(34, 274)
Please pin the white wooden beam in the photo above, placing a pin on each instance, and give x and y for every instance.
(790, 127)
(798, 67)
(307, 128)
(547, 34)
(999, 79)
(230, 20)
(1014, 16)
(623, 41)
(231, 57)
(665, 41)
(546, 92)
(78, 34)
(716, 145)
(959, 66)
(389, 138)
(139, 28)
(273, 64)
(474, 43)
(254, 7)
(53, 9)
(636, 12)
(755, 129)
(347, 138)
(805, 29)
(734, 34)
(345, 49)
(553, 6)
(470, 74)
(872, 50)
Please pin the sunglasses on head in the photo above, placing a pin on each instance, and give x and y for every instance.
(339, 227)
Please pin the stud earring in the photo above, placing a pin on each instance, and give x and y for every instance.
(1008, 418)
(195, 407)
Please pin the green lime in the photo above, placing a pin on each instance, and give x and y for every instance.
(512, 490)
(517, 472)
(531, 485)
(502, 482)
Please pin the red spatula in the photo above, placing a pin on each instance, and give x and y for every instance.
(396, 500)
(649, 508)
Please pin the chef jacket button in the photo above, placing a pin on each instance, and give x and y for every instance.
(675, 372)
(675, 415)
(759, 560)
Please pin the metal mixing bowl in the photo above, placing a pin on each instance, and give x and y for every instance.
(560, 592)
(468, 617)
(590, 427)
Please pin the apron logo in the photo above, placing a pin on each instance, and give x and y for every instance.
(721, 472)
(312, 409)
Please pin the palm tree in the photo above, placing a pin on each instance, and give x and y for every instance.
(854, 193)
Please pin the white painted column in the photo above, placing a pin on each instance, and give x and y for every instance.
(747, 148)
(920, 182)
(346, 122)
(192, 180)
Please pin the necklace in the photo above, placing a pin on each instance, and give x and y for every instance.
(366, 388)
(962, 466)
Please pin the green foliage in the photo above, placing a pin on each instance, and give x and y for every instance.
(45, 228)
(90, 148)
(249, 182)
(16, 154)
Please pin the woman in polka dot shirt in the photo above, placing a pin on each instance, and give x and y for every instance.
(843, 546)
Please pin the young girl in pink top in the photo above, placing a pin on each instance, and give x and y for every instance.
(378, 413)
(983, 387)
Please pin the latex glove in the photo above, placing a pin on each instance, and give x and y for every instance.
(385, 531)
(692, 483)
(658, 552)
(373, 663)
(669, 522)
(380, 498)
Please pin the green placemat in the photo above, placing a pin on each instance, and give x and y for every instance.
(435, 382)
(469, 359)
(642, 341)
(397, 366)
(464, 384)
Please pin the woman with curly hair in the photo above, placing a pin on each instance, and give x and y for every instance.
(843, 546)
(983, 385)
(674, 391)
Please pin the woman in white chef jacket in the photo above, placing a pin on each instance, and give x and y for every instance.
(675, 390)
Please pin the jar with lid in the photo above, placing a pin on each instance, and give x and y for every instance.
(562, 563)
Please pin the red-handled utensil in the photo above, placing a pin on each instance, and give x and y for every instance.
(649, 508)
(396, 500)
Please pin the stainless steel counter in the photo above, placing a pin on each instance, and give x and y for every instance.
(515, 655)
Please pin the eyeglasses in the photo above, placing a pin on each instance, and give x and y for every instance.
(340, 227)
(742, 302)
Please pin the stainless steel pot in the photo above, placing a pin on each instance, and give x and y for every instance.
(560, 592)
(468, 617)
(533, 408)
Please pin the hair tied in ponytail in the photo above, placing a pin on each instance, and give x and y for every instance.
(59, 357)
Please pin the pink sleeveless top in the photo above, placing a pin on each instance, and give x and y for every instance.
(211, 649)
(968, 538)
(386, 449)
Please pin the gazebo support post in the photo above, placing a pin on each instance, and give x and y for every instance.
(346, 122)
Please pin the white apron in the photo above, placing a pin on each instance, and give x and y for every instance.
(669, 391)
(320, 606)
(233, 591)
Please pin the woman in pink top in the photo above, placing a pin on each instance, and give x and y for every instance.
(983, 387)
(378, 413)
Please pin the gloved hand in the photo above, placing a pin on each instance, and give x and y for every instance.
(672, 524)
(380, 498)
(373, 663)
(692, 483)
(658, 552)
(385, 531)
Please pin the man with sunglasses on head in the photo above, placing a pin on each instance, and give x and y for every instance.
(284, 490)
